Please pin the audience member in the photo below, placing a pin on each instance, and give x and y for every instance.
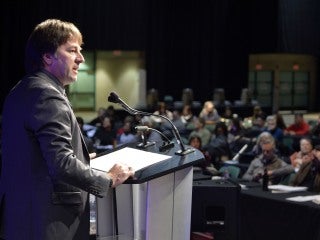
(257, 111)
(304, 155)
(209, 113)
(127, 135)
(309, 173)
(162, 110)
(114, 117)
(263, 137)
(166, 127)
(201, 131)
(128, 118)
(299, 127)
(105, 134)
(97, 121)
(148, 136)
(258, 126)
(227, 114)
(206, 167)
(280, 121)
(187, 114)
(272, 128)
(218, 146)
(276, 168)
(235, 129)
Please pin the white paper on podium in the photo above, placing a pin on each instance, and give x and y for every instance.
(135, 158)
(286, 188)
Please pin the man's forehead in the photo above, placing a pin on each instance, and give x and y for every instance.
(267, 146)
(72, 42)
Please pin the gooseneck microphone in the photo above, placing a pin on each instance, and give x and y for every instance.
(114, 98)
(167, 144)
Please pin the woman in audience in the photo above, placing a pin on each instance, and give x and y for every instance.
(162, 110)
(304, 155)
(187, 114)
(195, 141)
(201, 131)
(127, 135)
(272, 128)
(105, 135)
(280, 121)
(309, 173)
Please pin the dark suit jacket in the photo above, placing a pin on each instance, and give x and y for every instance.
(46, 173)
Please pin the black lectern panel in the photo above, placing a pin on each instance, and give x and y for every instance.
(215, 208)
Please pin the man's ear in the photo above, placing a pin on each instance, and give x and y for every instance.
(47, 59)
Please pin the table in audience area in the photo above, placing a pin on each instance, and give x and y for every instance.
(267, 215)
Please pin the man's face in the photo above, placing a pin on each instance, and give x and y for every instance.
(209, 107)
(106, 122)
(195, 142)
(64, 63)
(267, 151)
(305, 146)
(271, 124)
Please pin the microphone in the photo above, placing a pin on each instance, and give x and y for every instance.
(142, 128)
(165, 145)
(144, 143)
(114, 98)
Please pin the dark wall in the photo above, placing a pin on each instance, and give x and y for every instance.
(199, 44)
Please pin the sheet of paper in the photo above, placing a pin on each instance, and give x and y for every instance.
(303, 198)
(135, 158)
(286, 188)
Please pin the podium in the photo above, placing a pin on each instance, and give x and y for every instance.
(155, 204)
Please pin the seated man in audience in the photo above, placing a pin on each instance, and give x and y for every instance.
(264, 136)
(304, 155)
(299, 127)
(209, 113)
(309, 173)
(276, 168)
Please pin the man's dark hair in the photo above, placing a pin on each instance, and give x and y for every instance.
(46, 38)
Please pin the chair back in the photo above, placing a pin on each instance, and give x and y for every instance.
(233, 171)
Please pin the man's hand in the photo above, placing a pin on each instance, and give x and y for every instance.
(257, 177)
(119, 173)
(92, 155)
